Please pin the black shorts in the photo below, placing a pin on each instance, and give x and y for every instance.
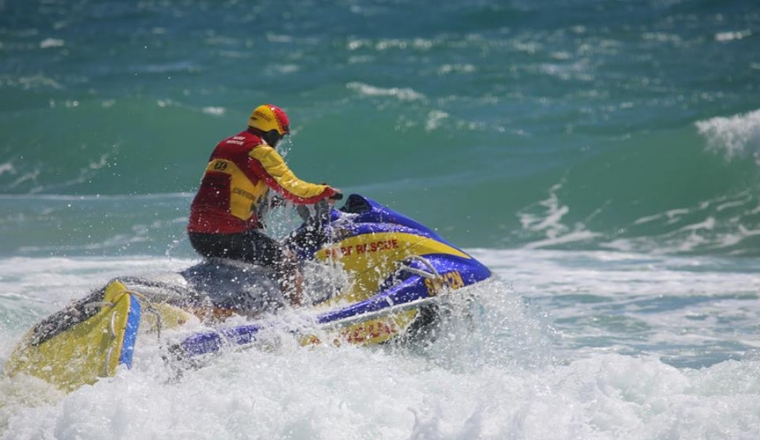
(250, 246)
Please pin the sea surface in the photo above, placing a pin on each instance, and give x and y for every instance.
(602, 157)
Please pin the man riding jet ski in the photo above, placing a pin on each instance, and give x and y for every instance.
(398, 279)
(226, 213)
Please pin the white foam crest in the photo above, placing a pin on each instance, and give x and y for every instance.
(456, 68)
(87, 172)
(549, 222)
(570, 71)
(672, 215)
(215, 111)
(29, 176)
(663, 37)
(385, 44)
(397, 43)
(699, 236)
(29, 82)
(434, 120)
(51, 42)
(403, 94)
(715, 224)
(552, 217)
(725, 37)
(7, 168)
(734, 136)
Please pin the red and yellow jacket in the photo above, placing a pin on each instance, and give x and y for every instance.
(238, 177)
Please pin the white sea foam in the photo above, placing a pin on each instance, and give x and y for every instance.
(7, 168)
(403, 94)
(435, 119)
(725, 37)
(578, 70)
(216, 111)
(718, 224)
(546, 216)
(456, 68)
(51, 42)
(564, 345)
(347, 394)
(734, 136)
(29, 82)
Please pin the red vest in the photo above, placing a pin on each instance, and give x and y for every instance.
(240, 172)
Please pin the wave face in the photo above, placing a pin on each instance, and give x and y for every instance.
(564, 125)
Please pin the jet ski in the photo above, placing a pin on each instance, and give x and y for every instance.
(372, 276)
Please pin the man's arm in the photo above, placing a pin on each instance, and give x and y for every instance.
(271, 167)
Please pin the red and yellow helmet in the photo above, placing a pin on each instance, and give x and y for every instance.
(268, 117)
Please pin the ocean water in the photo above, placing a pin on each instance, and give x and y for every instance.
(601, 156)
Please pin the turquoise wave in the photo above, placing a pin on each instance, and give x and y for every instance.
(581, 124)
